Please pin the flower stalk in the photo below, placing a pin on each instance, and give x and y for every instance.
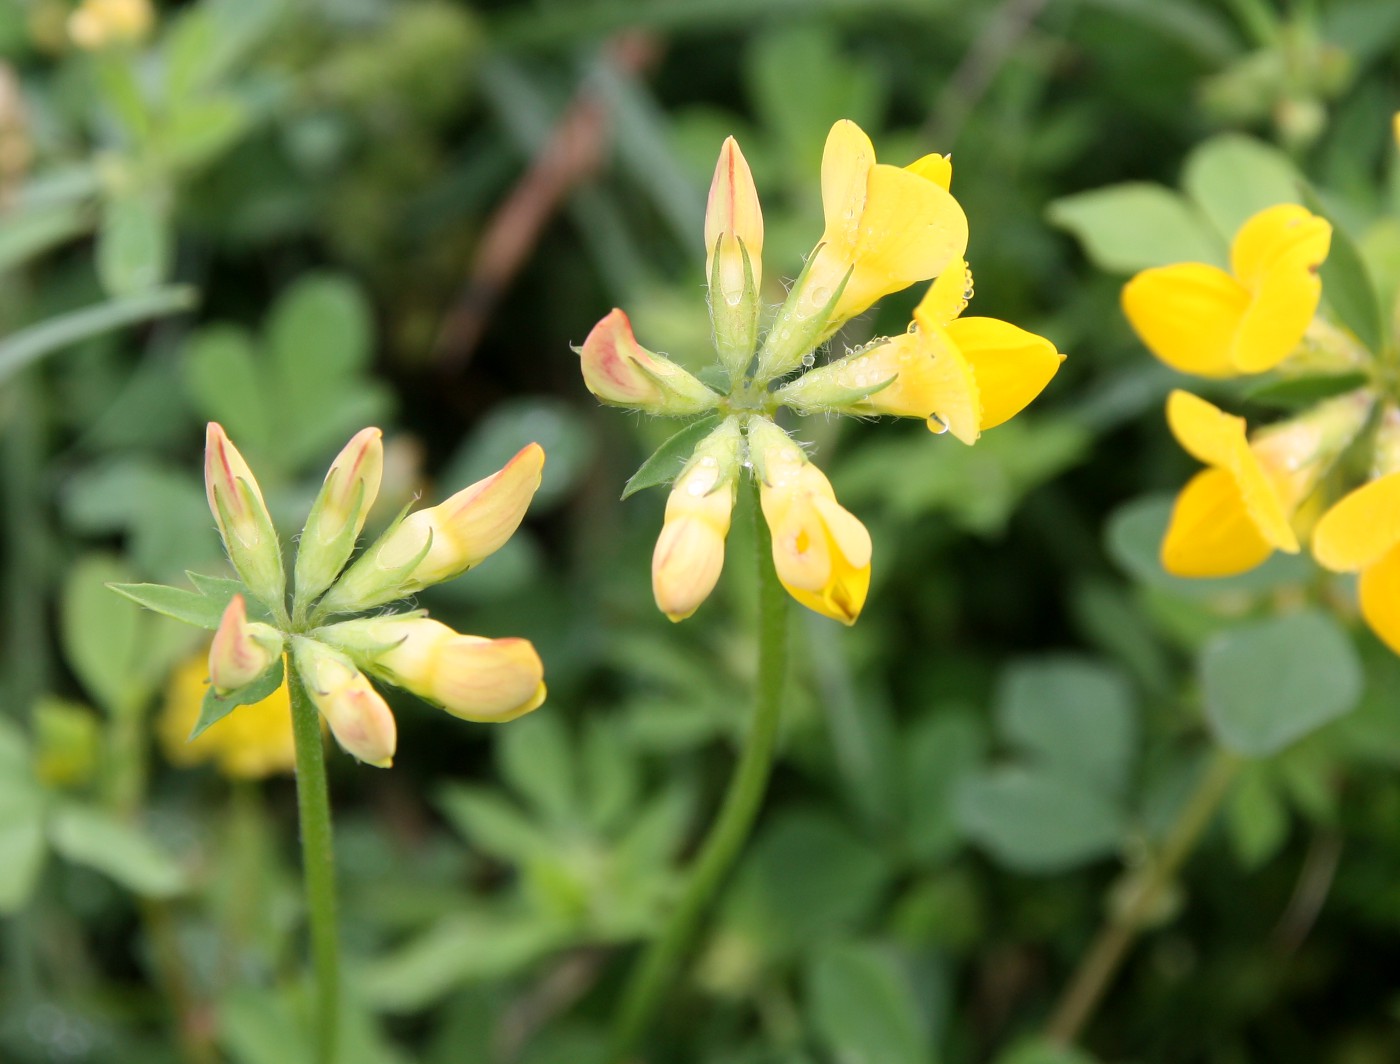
(654, 971)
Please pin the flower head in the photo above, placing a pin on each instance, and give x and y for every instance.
(886, 227)
(1198, 318)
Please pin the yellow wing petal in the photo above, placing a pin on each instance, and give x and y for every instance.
(1276, 233)
(936, 168)
(1187, 315)
(846, 163)
(1285, 300)
(1206, 432)
(1379, 590)
(1211, 532)
(1361, 528)
(1012, 366)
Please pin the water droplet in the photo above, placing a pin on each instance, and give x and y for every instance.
(937, 425)
(913, 328)
(809, 359)
(821, 294)
(733, 298)
(709, 462)
(785, 334)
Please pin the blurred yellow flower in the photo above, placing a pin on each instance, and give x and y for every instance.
(1230, 516)
(1199, 319)
(253, 742)
(98, 24)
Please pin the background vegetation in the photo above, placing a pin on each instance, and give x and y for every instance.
(301, 218)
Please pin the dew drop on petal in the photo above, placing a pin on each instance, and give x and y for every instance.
(937, 425)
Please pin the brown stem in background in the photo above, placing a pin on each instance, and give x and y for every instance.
(1310, 892)
(574, 152)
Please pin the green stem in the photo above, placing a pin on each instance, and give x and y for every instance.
(652, 974)
(1105, 956)
(318, 865)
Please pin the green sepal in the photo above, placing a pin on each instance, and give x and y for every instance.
(216, 707)
(338, 550)
(839, 399)
(666, 461)
(734, 327)
(334, 603)
(1295, 393)
(780, 354)
(260, 567)
(203, 607)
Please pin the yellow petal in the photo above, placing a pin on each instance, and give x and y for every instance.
(846, 163)
(1379, 590)
(1187, 315)
(1206, 432)
(1211, 533)
(1284, 304)
(947, 296)
(1286, 231)
(1360, 528)
(934, 167)
(1012, 366)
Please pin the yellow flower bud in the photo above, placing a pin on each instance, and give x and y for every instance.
(242, 650)
(734, 258)
(488, 680)
(338, 515)
(618, 370)
(99, 24)
(436, 544)
(690, 550)
(237, 504)
(358, 716)
(820, 550)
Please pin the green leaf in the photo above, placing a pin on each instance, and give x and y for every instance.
(1134, 226)
(1267, 685)
(22, 805)
(26, 235)
(667, 460)
(134, 245)
(202, 607)
(199, 130)
(320, 333)
(455, 950)
(223, 377)
(21, 348)
(1076, 714)
(216, 707)
(1036, 820)
(260, 1026)
(101, 639)
(536, 758)
(1295, 393)
(864, 1009)
(807, 877)
(1256, 816)
(1347, 285)
(939, 752)
(90, 836)
(495, 825)
(1232, 177)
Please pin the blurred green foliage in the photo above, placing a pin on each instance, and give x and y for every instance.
(283, 215)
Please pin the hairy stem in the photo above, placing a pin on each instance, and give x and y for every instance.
(1105, 956)
(318, 865)
(654, 971)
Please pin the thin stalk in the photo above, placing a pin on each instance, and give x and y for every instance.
(1100, 964)
(318, 865)
(654, 971)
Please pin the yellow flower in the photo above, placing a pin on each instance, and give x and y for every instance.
(887, 227)
(253, 742)
(733, 225)
(620, 371)
(1361, 533)
(98, 24)
(1230, 516)
(1200, 319)
(820, 550)
(962, 375)
(356, 713)
(245, 526)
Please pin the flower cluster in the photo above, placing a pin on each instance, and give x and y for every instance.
(471, 677)
(887, 227)
(1288, 482)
